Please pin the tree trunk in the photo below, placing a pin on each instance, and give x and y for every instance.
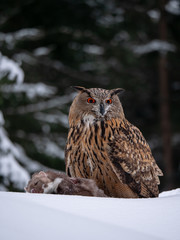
(164, 102)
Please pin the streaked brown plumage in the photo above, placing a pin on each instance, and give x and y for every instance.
(102, 145)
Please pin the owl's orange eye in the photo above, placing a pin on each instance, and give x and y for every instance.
(109, 101)
(91, 100)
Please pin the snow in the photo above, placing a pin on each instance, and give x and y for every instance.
(1, 119)
(25, 57)
(44, 105)
(42, 51)
(59, 117)
(46, 146)
(173, 7)
(10, 67)
(48, 216)
(2, 188)
(28, 163)
(11, 158)
(32, 90)
(10, 169)
(154, 45)
(154, 15)
(170, 193)
(93, 49)
(23, 34)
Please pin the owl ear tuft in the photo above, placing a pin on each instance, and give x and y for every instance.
(79, 88)
(117, 91)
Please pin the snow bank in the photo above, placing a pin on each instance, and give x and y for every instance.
(170, 193)
(30, 216)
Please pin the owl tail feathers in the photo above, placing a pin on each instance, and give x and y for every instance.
(158, 171)
(147, 193)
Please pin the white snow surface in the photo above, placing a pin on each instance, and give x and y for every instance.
(33, 216)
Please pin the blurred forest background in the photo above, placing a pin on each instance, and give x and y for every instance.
(48, 46)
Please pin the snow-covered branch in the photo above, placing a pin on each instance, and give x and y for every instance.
(32, 90)
(155, 45)
(43, 105)
(10, 68)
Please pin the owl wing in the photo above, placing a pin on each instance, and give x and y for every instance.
(132, 161)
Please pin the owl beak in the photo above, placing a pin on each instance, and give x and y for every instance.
(102, 110)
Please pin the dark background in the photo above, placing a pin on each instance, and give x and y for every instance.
(92, 43)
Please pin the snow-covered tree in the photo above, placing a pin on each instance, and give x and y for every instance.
(15, 166)
(11, 172)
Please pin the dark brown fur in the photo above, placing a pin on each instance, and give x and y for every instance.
(47, 182)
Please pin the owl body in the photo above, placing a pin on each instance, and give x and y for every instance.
(102, 145)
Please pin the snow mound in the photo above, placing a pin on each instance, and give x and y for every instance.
(30, 216)
(170, 193)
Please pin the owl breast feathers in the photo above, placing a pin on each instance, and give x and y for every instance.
(102, 145)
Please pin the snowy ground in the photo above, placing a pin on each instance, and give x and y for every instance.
(34, 216)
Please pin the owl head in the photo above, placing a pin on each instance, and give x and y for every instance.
(95, 104)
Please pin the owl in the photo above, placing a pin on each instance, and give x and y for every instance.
(104, 146)
(59, 183)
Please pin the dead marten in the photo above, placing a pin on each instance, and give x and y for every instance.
(59, 183)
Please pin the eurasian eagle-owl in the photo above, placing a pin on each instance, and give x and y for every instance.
(102, 145)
